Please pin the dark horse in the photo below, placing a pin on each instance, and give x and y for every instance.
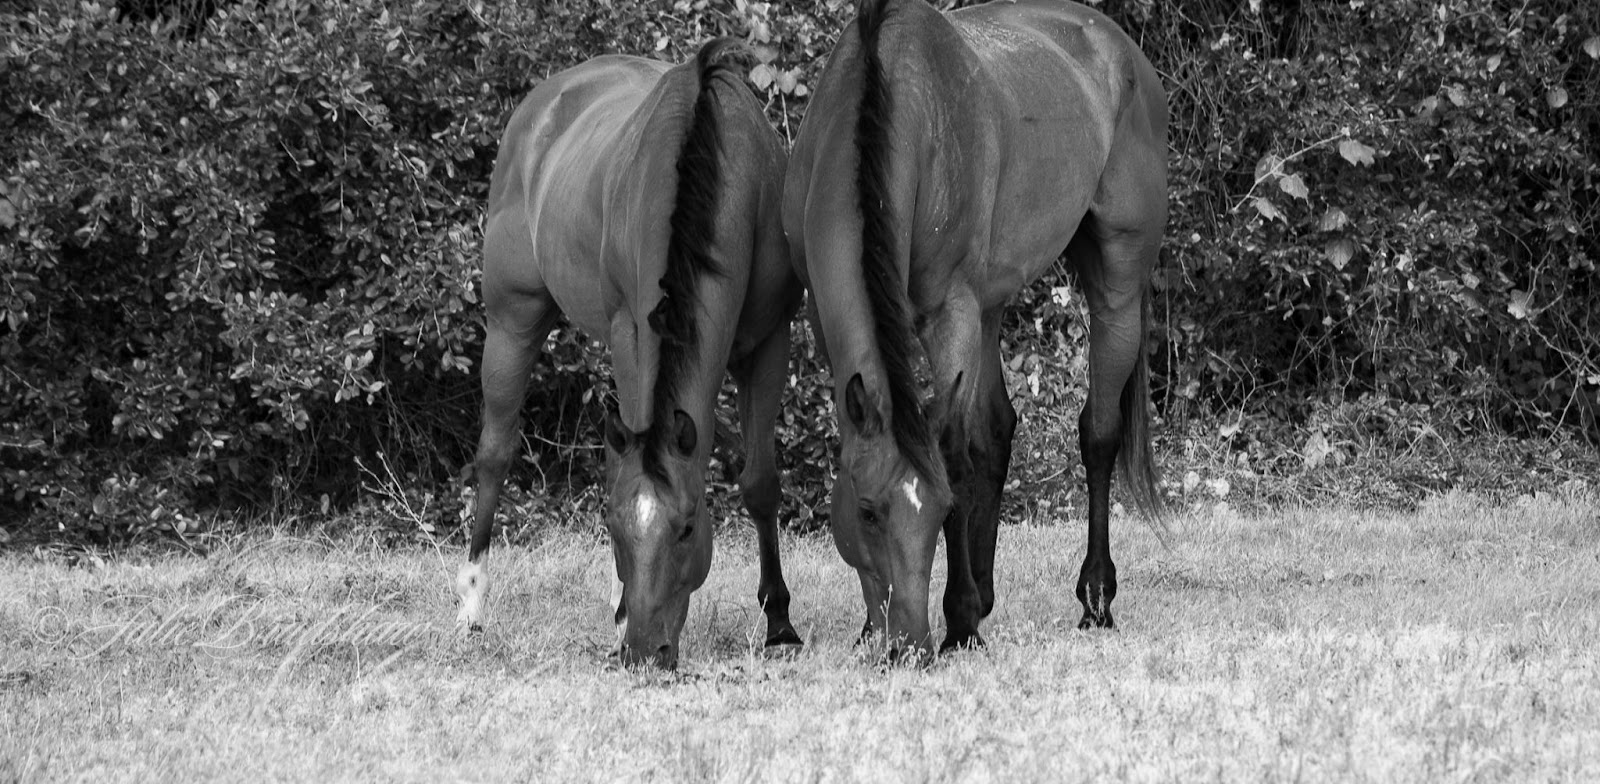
(642, 200)
(945, 161)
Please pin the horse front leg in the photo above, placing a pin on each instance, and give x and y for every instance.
(992, 461)
(984, 446)
(761, 377)
(953, 341)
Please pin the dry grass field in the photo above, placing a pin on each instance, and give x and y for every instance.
(1453, 644)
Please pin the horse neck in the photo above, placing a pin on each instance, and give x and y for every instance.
(913, 46)
(642, 197)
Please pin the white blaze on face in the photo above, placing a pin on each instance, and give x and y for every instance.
(472, 585)
(910, 489)
(647, 513)
(646, 510)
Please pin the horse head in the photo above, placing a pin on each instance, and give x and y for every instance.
(660, 533)
(888, 507)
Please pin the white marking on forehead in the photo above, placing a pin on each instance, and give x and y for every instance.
(646, 510)
(910, 489)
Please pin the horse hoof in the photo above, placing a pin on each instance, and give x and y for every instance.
(909, 657)
(867, 635)
(786, 639)
(1097, 621)
(969, 641)
(782, 650)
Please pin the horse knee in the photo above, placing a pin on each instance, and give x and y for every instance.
(495, 453)
(762, 492)
(957, 449)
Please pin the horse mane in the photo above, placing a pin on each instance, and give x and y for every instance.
(891, 319)
(692, 227)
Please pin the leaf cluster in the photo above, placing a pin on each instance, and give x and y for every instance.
(239, 241)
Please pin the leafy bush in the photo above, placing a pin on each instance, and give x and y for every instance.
(243, 256)
(1384, 198)
(238, 240)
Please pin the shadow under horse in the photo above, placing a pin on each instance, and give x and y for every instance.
(643, 202)
(944, 163)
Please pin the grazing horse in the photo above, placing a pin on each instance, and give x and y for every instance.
(642, 200)
(945, 161)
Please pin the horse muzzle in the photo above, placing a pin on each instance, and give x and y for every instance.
(663, 656)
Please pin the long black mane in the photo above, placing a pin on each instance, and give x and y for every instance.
(886, 293)
(699, 171)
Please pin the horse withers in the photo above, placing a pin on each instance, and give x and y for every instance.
(945, 162)
(642, 200)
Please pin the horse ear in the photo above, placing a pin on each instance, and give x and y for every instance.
(684, 436)
(617, 435)
(860, 408)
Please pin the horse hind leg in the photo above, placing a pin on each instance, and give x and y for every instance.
(761, 378)
(510, 349)
(1114, 271)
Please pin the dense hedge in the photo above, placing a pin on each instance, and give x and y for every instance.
(1391, 198)
(238, 242)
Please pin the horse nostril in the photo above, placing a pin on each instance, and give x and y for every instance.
(666, 658)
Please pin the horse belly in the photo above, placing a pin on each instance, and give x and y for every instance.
(1040, 201)
(572, 274)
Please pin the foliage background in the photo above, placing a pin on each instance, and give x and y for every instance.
(238, 242)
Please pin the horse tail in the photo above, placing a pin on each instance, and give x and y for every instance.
(869, 14)
(1135, 459)
(689, 259)
(717, 53)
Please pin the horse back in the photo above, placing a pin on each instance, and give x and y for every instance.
(1064, 60)
(546, 225)
(1076, 124)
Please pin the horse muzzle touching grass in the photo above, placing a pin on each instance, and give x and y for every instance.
(885, 520)
(640, 200)
(660, 539)
(945, 161)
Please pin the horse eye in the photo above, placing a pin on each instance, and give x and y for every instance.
(869, 515)
(688, 531)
